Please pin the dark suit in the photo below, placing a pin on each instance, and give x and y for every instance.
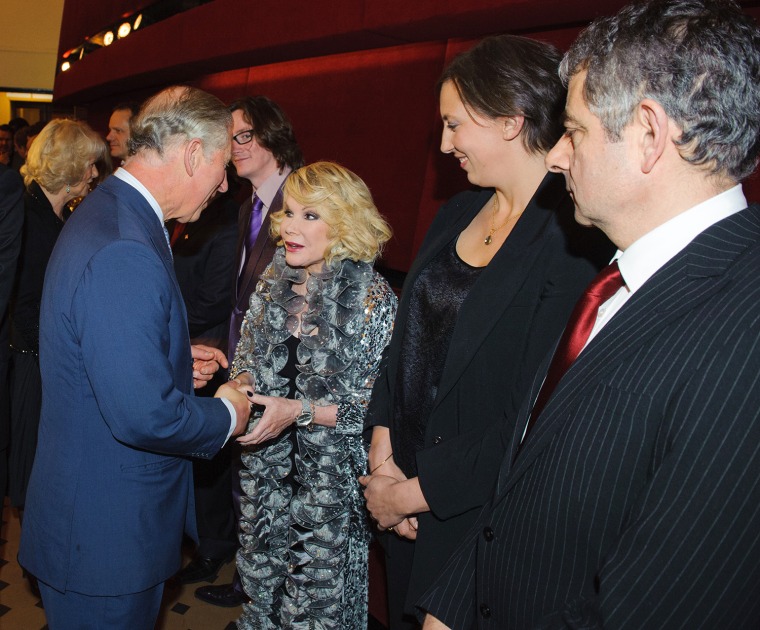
(11, 221)
(261, 256)
(515, 310)
(111, 489)
(204, 257)
(633, 502)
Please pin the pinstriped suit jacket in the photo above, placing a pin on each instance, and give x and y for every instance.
(635, 500)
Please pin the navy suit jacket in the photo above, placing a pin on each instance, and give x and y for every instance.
(633, 502)
(111, 488)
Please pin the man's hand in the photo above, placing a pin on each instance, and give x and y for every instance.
(241, 401)
(206, 362)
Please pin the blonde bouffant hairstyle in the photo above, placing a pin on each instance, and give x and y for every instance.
(61, 154)
(357, 230)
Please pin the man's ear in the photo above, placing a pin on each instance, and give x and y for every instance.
(193, 155)
(512, 126)
(655, 132)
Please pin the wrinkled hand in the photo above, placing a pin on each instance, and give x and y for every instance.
(279, 414)
(379, 493)
(240, 398)
(206, 362)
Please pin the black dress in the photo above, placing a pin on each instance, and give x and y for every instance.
(41, 230)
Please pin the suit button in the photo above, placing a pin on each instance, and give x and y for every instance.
(488, 534)
(485, 611)
(437, 439)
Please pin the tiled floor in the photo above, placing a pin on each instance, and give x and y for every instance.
(21, 610)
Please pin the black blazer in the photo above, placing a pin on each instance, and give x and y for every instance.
(11, 220)
(513, 315)
(633, 502)
(261, 256)
(204, 257)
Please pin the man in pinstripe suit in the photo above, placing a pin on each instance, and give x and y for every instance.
(634, 499)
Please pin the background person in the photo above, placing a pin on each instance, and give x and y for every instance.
(310, 347)
(11, 223)
(60, 167)
(118, 130)
(491, 289)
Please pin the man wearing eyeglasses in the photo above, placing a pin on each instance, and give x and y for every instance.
(264, 152)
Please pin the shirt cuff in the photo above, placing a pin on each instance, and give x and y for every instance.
(233, 418)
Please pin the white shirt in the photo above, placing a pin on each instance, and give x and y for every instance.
(130, 179)
(649, 254)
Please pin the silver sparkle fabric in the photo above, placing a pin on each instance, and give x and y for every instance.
(303, 556)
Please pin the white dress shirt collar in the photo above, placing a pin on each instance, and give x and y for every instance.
(267, 191)
(644, 257)
(130, 179)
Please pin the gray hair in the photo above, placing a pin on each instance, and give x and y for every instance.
(699, 59)
(179, 114)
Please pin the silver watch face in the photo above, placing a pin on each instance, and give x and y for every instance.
(304, 420)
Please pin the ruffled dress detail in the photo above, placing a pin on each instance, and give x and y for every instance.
(304, 545)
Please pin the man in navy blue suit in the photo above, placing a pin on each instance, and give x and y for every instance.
(629, 493)
(111, 489)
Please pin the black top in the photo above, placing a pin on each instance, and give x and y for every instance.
(41, 229)
(437, 294)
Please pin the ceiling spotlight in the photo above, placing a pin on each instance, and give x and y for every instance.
(124, 30)
(65, 66)
(108, 38)
(137, 23)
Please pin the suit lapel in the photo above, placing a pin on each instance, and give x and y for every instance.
(690, 278)
(494, 291)
(250, 276)
(430, 249)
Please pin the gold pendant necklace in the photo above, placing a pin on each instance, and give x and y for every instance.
(493, 229)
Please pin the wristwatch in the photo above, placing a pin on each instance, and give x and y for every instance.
(306, 417)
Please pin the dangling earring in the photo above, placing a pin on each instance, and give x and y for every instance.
(68, 189)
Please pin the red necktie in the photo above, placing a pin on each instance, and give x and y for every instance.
(607, 282)
(179, 228)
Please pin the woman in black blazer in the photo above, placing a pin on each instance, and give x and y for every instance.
(486, 299)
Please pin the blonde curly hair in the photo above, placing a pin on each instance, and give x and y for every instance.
(357, 230)
(61, 154)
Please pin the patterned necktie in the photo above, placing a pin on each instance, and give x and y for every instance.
(607, 282)
(168, 243)
(254, 226)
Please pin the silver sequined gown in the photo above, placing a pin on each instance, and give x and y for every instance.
(303, 556)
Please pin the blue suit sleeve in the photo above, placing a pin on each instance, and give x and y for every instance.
(130, 321)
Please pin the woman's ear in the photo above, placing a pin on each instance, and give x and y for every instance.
(512, 126)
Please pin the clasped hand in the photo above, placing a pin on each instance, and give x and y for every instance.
(279, 414)
(380, 494)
